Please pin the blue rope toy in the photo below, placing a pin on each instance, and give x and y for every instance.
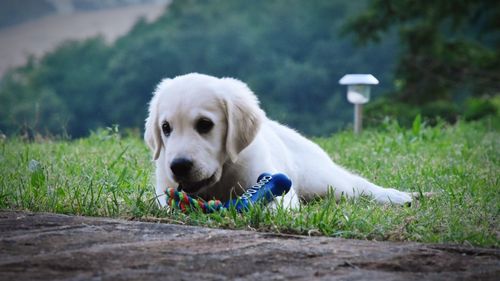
(264, 191)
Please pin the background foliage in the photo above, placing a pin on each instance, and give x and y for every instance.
(433, 58)
(449, 64)
(289, 52)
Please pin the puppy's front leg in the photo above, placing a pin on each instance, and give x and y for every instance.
(289, 200)
(161, 186)
(161, 199)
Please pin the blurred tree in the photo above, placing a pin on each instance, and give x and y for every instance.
(60, 93)
(449, 49)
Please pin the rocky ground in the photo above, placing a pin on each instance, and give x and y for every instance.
(41, 246)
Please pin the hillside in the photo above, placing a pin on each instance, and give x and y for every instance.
(48, 28)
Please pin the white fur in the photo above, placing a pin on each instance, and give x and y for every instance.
(242, 144)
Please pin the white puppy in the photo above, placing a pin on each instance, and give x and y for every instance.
(210, 137)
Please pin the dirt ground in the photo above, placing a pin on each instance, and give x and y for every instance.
(41, 246)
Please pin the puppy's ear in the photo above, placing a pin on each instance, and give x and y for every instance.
(243, 115)
(152, 134)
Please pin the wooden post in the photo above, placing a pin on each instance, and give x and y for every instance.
(358, 116)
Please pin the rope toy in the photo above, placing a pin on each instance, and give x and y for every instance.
(264, 191)
(184, 202)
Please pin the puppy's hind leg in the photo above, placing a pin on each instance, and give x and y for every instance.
(345, 183)
(381, 194)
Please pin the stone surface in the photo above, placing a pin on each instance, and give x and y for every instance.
(45, 246)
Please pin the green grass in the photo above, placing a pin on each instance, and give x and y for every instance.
(109, 175)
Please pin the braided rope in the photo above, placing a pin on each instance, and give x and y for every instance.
(184, 202)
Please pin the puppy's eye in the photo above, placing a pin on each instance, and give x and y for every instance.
(165, 127)
(204, 125)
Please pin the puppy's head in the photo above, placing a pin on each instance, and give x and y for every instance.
(197, 123)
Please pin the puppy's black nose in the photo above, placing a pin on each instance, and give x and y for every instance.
(181, 167)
